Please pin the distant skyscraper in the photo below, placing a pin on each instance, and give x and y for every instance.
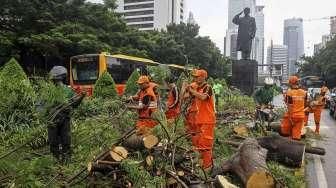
(333, 25)
(278, 56)
(293, 39)
(151, 14)
(235, 7)
(260, 39)
(317, 48)
(191, 19)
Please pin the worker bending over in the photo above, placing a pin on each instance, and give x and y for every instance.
(204, 119)
(147, 104)
(293, 119)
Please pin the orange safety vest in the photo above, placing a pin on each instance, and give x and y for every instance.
(173, 102)
(192, 109)
(295, 100)
(146, 112)
(205, 108)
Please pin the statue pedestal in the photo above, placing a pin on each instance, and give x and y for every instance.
(245, 75)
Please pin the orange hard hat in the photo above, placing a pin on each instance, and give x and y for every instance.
(293, 80)
(143, 79)
(201, 73)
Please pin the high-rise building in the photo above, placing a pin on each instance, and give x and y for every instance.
(235, 7)
(333, 25)
(277, 55)
(317, 48)
(260, 35)
(151, 14)
(191, 19)
(293, 39)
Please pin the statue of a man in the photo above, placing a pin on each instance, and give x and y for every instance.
(246, 32)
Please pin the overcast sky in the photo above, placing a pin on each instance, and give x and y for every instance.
(212, 15)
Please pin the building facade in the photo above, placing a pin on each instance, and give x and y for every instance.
(277, 56)
(333, 25)
(151, 14)
(260, 35)
(293, 39)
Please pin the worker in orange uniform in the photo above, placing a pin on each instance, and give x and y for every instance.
(205, 118)
(173, 102)
(155, 88)
(318, 105)
(147, 104)
(190, 107)
(308, 109)
(293, 120)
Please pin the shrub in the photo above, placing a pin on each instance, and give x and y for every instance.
(131, 84)
(17, 98)
(105, 87)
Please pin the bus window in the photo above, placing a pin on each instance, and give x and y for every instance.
(85, 70)
(119, 69)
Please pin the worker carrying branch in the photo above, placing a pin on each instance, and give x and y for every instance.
(296, 101)
(59, 133)
(204, 119)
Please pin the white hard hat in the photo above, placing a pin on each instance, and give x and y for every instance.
(269, 81)
(58, 72)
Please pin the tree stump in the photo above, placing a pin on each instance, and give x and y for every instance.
(249, 163)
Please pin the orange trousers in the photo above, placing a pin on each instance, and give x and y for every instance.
(203, 143)
(292, 127)
(317, 118)
(306, 118)
(146, 123)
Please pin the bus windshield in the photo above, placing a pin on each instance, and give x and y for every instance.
(85, 70)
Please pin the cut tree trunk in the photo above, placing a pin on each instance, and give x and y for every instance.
(222, 182)
(249, 163)
(118, 153)
(139, 142)
(286, 151)
(102, 166)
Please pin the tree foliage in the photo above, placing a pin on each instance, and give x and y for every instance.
(322, 64)
(105, 87)
(17, 98)
(131, 84)
(43, 32)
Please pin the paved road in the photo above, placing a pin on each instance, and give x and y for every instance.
(314, 174)
(321, 171)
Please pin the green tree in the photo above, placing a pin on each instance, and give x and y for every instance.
(322, 64)
(105, 87)
(131, 84)
(17, 97)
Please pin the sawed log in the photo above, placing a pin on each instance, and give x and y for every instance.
(284, 150)
(249, 163)
(139, 142)
(287, 151)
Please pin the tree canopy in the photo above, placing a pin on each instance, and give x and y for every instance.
(322, 64)
(42, 33)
